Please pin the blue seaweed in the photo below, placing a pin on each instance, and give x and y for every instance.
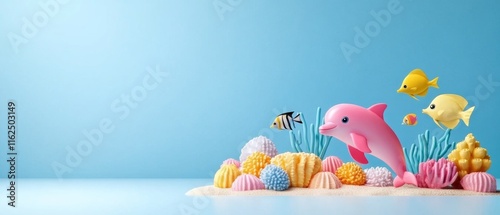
(315, 142)
(275, 178)
(427, 148)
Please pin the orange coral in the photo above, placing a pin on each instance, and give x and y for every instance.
(226, 175)
(351, 173)
(255, 163)
(300, 167)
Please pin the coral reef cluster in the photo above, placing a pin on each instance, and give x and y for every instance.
(325, 180)
(258, 144)
(226, 175)
(351, 173)
(275, 178)
(378, 177)
(427, 148)
(247, 182)
(436, 174)
(255, 163)
(301, 167)
(469, 157)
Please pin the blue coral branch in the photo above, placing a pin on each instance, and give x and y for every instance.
(426, 149)
(316, 143)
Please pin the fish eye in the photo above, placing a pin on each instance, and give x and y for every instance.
(432, 106)
(404, 86)
(274, 123)
(345, 119)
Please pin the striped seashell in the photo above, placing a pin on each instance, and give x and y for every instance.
(300, 167)
(331, 164)
(258, 144)
(247, 182)
(325, 180)
(225, 176)
(231, 161)
(479, 182)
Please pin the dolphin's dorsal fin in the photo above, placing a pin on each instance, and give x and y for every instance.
(378, 109)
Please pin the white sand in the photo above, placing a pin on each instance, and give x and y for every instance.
(345, 190)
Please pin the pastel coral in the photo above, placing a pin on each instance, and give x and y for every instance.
(331, 164)
(226, 175)
(351, 173)
(469, 157)
(275, 178)
(479, 182)
(231, 161)
(300, 167)
(258, 144)
(255, 163)
(247, 182)
(325, 180)
(378, 177)
(436, 174)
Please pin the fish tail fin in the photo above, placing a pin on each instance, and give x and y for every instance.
(466, 115)
(408, 178)
(297, 119)
(434, 83)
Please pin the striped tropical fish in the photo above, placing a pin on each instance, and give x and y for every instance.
(286, 121)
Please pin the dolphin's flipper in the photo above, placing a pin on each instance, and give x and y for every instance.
(357, 155)
(360, 142)
(408, 178)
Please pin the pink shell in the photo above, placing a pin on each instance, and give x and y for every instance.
(231, 161)
(247, 182)
(479, 182)
(436, 174)
(325, 180)
(331, 164)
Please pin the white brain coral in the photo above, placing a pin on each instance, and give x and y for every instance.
(378, 177)
(258, 144)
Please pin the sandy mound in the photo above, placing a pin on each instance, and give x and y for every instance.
(345, 190)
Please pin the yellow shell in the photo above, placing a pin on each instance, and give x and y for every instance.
(255, 163)
(351, 173)
(226, 175)
(300, 167)
(469, 157)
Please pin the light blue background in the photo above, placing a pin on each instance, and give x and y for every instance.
(227, 79)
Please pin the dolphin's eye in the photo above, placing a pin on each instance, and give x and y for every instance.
(345, 119)
(404, 86)
(432, 106)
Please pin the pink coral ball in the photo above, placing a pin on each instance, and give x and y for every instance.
(231, 161)
(247, 182)
(331, 164)
(479, 182)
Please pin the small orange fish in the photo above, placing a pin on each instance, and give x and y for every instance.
(410, 119)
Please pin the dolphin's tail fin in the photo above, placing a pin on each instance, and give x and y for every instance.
(408, 178)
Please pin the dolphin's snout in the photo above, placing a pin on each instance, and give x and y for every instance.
(326, 127)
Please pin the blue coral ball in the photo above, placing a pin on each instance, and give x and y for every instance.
(275, 178)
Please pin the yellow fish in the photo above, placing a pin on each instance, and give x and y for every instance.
(417, 83)
(410, 119)
(448, 109)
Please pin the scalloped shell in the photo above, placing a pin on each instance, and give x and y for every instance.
(300, 167)
(351, 173)
(247, 182)
(331, 164)
(255, 163)
(479, 182)
(325, 180)
(378, 177)
(231, 161)
(225, 176)
(258, 144)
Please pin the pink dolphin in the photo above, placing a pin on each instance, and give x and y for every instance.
(365, 131)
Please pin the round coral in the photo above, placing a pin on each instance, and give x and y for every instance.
(300, 167)
(469, 157)
(275, 178)
(351, 173)
(378, 177)
(231, 161)
(331, 164)
(258, 144)
(226, 175)
(255, 163)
